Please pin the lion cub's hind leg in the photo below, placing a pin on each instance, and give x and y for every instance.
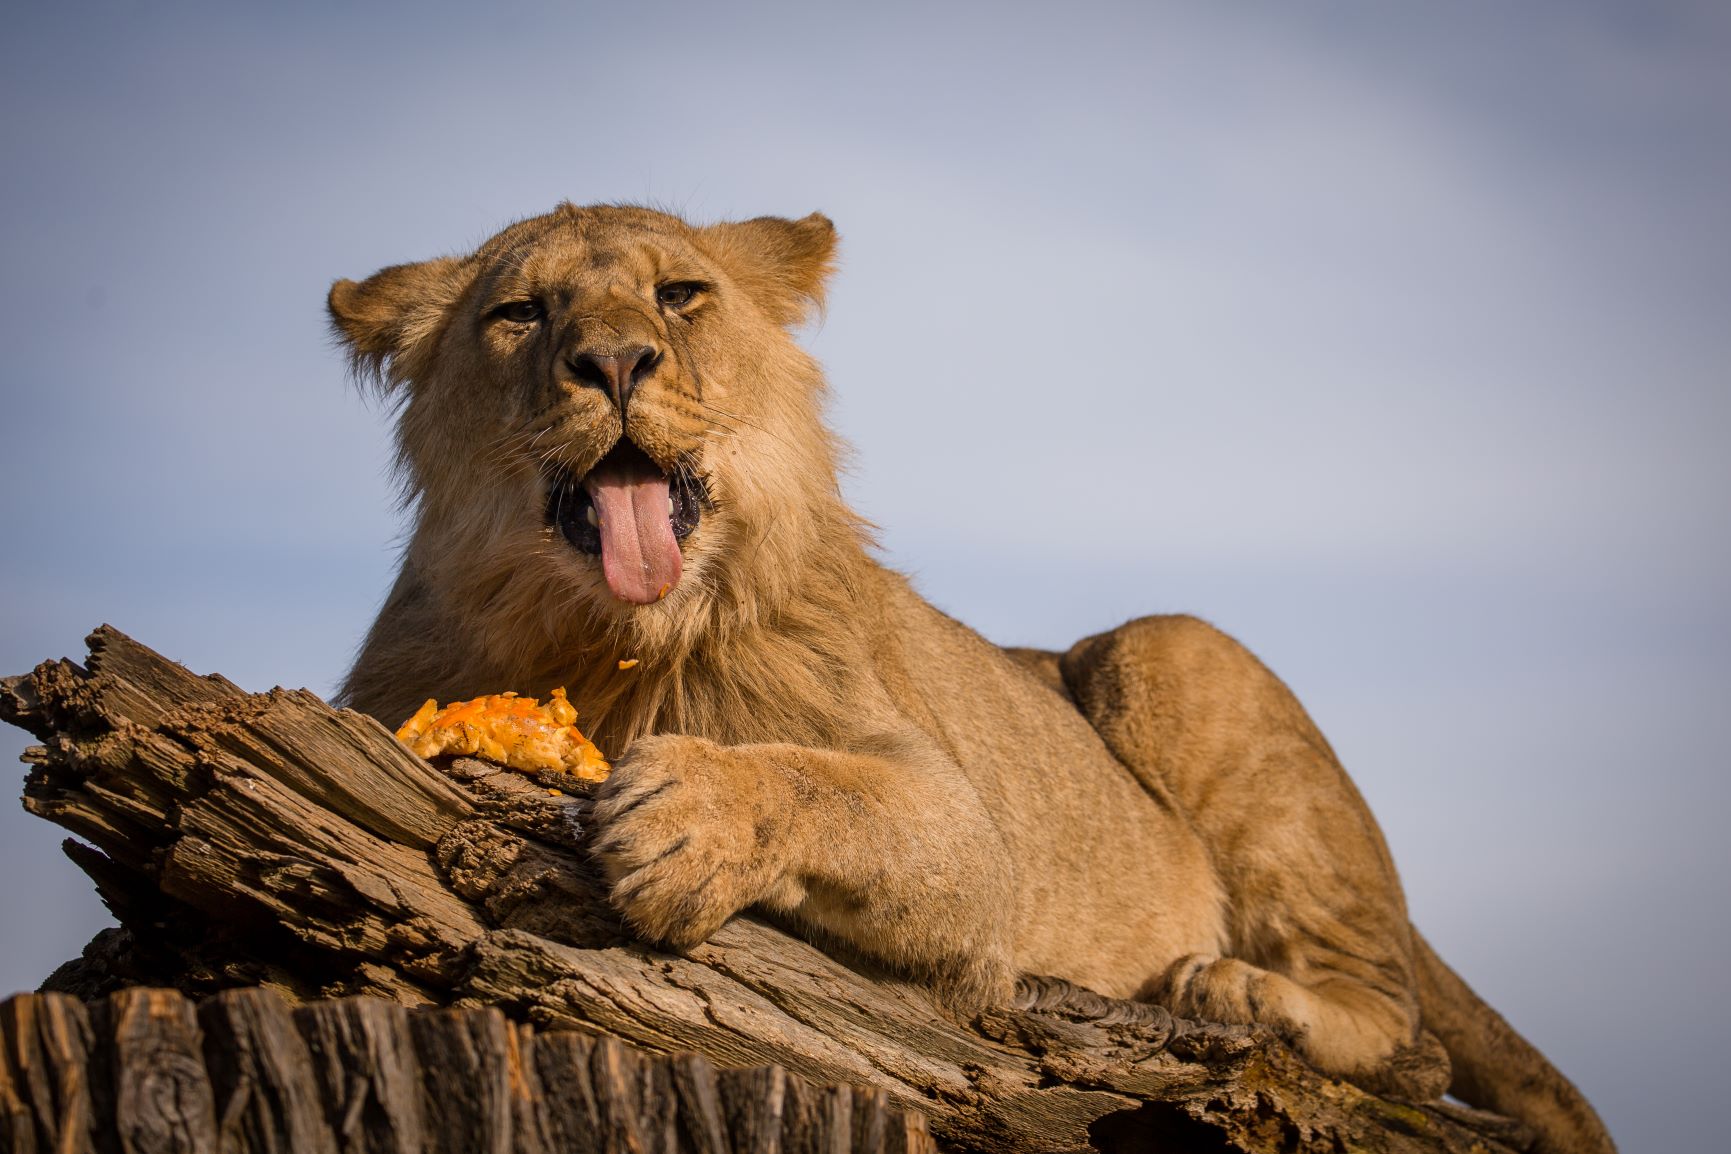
(1319, 943)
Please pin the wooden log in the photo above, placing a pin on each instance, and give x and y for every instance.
(368, 1074)
(148, 1071)
(162, 1096)
(46, 1099)
(270, 841)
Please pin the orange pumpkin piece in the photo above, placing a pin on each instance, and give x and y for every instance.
(513, 731)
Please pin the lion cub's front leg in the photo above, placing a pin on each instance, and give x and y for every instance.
(889, 852)
(690, 834)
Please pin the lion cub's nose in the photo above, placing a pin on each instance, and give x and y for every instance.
(618, 374)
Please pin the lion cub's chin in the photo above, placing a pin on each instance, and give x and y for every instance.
(649, 613)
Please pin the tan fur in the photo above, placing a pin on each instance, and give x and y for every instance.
(1152, 815)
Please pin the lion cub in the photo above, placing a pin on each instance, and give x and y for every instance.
(618, 452)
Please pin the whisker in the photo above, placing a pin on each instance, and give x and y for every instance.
(733, 416)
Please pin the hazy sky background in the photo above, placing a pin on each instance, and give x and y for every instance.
(1392, 339)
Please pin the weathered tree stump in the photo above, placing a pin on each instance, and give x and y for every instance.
(270, 841)
(146, 1070)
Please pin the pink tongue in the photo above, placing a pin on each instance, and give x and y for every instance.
(639, 554)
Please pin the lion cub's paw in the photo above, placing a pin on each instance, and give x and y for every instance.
(688, 836)
(1345, 1029)
(1216, 989)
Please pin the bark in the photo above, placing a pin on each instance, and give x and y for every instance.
(146, 1070)
(294, 855)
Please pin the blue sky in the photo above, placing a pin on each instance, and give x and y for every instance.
(1395, 337)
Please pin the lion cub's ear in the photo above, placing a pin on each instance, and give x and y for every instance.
(782, 263)
(394, 314)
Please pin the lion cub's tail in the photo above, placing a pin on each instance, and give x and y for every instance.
(1497, 1069)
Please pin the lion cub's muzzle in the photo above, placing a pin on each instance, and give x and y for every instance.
(616, 373)
(631, 514)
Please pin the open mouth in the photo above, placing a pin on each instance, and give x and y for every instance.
(633, 516)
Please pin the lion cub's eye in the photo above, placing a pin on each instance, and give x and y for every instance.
(520, 312)
(676, 294)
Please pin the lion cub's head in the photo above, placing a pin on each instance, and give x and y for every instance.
(604, 419)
